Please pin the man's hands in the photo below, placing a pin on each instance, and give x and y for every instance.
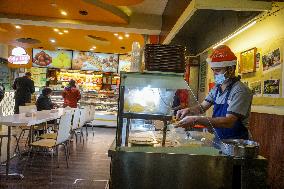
(182, 113)
(188, 122)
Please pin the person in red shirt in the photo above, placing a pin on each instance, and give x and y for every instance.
(180, 100)
(71, 95)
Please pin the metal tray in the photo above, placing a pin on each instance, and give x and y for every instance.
(240, 148)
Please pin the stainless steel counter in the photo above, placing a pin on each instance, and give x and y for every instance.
(183, 168)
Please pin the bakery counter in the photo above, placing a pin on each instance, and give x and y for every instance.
(183, 167)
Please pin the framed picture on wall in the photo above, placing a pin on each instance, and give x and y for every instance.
(248, 61)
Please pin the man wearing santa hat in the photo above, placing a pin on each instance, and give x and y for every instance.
(230, 98)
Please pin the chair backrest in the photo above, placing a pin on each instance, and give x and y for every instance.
(63, 132)
(76, 119)
(92, 112)
(82, 121)
(26, 109)
(89, 114)
(1, 112)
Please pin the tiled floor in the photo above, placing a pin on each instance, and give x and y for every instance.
(88, 168)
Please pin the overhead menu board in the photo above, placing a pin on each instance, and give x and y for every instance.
(52, 59)
(95, 61)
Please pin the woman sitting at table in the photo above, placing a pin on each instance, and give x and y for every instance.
(44, 102)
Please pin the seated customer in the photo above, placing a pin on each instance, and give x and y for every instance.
(44, 102)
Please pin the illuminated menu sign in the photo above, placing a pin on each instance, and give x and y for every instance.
(19, 56)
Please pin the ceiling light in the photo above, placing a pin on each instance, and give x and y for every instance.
(91, 49)
(55, 29)
(120, 37)
(52, 40)
(18, 27)
(64, 13)
(83, 12)
(126, 35)
(94, 47)
(116, 34)
(65, 31)
(60, 33)
(235, 34)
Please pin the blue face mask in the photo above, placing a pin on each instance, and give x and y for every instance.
(219, 78)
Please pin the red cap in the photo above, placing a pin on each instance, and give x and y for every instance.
(222, 56)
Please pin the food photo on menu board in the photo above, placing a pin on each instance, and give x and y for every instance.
(94, 61)
(124, 63)
(52, 59)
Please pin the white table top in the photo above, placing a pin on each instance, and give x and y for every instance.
(37, 118)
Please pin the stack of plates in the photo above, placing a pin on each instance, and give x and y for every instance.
(165, 58)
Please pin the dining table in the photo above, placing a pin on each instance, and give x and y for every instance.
(27, 119)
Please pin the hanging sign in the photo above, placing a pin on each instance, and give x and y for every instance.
(19, 56)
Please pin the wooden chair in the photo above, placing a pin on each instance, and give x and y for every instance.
(82, 121)
(54, 135)
(63, 137)
(25, 109)
(90, 118)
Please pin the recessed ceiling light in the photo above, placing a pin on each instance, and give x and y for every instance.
(120, 37)
(94, 47)
(126, 35)
(64, 13)
(52, 40)
(65, 31)
(55, 29)
(116, 34)
(18, 27)
(60, 33)
(91, 49)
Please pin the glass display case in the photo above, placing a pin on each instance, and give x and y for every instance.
(145, 103)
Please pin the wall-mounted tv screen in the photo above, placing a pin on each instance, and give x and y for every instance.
(94, 61)
(52, 59)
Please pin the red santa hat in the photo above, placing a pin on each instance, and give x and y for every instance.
(222, 56)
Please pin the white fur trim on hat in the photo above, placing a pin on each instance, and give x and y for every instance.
(222, 64)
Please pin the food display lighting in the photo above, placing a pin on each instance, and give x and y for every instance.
(55, 29)
(120, 37)
(65, 31)
(116, 34)
(60, 33)
(126, 35)
(52, 40)
(18, 27)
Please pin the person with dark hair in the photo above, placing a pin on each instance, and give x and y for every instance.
(24, 88)
(44, 102)
(71, 95)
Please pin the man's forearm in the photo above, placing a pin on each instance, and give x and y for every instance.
(196, 110)
(218, 122)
